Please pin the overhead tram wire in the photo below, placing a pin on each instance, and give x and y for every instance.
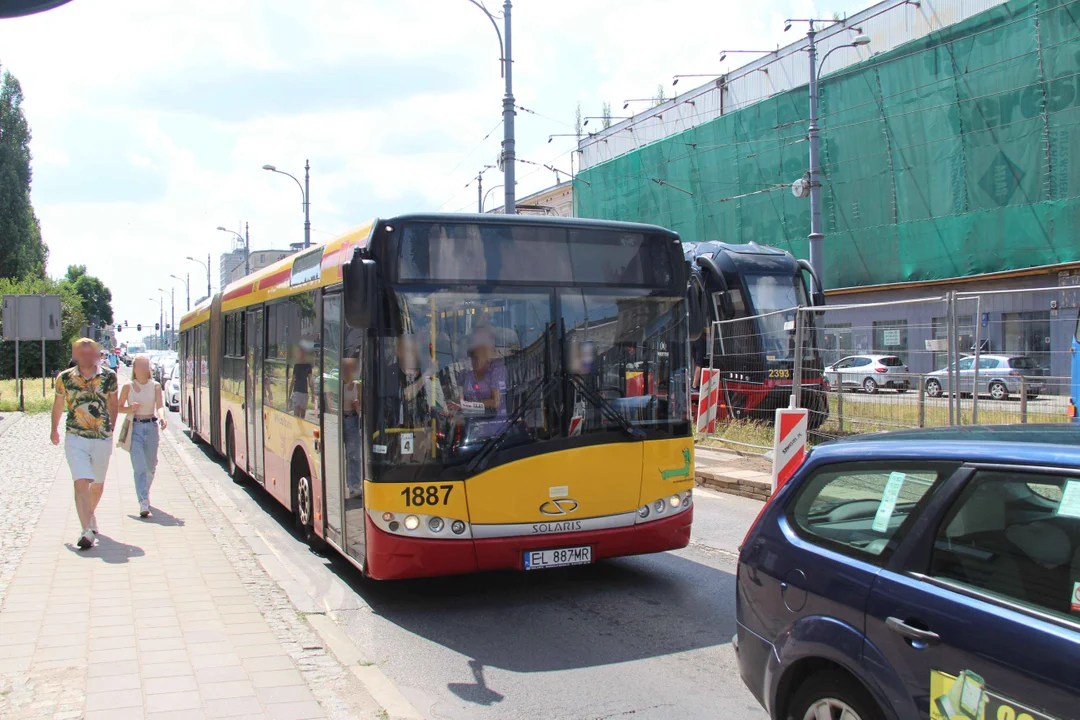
(467, 156)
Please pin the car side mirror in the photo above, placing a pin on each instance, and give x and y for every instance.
(361, 292)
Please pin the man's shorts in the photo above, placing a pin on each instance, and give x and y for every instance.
(87, 458)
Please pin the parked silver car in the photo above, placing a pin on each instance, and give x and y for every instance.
(171, 389)
(869, 372)
(999, 377)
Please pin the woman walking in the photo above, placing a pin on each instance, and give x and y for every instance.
(142, 399)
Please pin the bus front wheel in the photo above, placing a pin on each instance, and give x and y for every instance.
(303, 504)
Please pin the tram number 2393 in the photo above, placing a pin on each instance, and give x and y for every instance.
(779, 373)
(420, 495)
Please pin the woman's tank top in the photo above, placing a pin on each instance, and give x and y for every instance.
(145, 395)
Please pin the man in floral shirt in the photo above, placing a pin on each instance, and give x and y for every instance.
(88, 391)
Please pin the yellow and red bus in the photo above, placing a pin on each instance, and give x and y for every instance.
(440, 394)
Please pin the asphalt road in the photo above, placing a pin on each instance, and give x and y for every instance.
(644, 637)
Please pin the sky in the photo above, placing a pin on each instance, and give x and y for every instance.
(152, 119)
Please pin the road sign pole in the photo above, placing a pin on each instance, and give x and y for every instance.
(18, 385)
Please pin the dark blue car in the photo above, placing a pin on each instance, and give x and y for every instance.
(923, 574)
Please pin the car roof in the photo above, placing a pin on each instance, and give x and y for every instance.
(872, 357)
(1036, 444)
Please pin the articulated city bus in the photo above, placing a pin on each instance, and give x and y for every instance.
(754, 289)
(439, 394)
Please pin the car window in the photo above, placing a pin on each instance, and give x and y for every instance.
(987, 363)
(891, 361)
(1017, 536)
(846, 362)
(967, 363)
(860, 362)
(1023, 363)
(863, 508)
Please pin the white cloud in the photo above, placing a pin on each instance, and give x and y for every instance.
(152, 120)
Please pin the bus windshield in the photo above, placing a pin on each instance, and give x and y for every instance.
(775, 297)
(510, 372)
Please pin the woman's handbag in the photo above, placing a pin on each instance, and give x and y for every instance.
(123, 439)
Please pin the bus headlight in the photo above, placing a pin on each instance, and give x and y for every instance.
(435, 524)
(675, 501)
(659, 506)
(457, 527)
(387, 516)
(689, 497)
(643, 512)
(411, 522)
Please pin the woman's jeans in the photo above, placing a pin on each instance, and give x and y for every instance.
(144, 448)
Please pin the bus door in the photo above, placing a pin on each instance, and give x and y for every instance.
(334, 387)
(256, 342)
(354, 374)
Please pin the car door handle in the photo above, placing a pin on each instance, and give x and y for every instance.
(901, 628)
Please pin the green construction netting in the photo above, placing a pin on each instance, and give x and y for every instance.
(947, 156)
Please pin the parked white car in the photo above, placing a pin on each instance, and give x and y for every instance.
(171, 390)
(869, 373)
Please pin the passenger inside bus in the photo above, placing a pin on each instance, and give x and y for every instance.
(351, 411)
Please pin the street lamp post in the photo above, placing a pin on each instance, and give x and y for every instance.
(246, 239)
(207, 266)
(816, 237)
(172, 325)
(305, 189)
(508, 152)
(187, 284)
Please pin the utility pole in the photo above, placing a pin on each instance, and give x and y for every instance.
(480, 192)
(207, 274)
(247, 250)
(307, 204)
(172, 325)
(817, 259)
(508, 155)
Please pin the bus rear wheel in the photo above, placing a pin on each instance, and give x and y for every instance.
(230, 453)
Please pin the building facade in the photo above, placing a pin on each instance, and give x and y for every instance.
(556, 200)
(945, 166)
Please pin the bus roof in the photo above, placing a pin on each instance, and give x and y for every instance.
(273, 281)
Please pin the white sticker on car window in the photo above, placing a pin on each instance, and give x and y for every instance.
(1070, 500)
(378, 449)
(888, 502)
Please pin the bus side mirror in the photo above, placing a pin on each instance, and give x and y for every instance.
(696, 307)
(361, 293)
(817, 295)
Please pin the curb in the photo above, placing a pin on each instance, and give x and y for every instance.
(9, 420)
(373, 679)
(732, 485)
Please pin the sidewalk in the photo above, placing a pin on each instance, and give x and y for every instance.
(732, 473)
(165, 617)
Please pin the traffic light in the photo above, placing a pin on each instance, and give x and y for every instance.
(118, 328)
(139, 327)
(157, 326)
(125, 323)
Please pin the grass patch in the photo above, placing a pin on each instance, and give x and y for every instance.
(36, 402)
(858, 413)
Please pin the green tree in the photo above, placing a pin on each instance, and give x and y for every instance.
(22, 253)
(96, 298)
(579, 127)
(605, 112)
(661, 97)
(57, 354)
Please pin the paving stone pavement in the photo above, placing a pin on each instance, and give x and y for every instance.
(167, 617)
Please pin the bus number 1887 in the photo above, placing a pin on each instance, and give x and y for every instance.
(418, 495)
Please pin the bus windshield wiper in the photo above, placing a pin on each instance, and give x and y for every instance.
(479, 461)
(607, 409)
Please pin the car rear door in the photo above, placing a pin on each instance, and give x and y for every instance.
(979, 617)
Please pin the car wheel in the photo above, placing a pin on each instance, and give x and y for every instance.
(869, 386)
(933, 388)
(998, 391)
(832, 695)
